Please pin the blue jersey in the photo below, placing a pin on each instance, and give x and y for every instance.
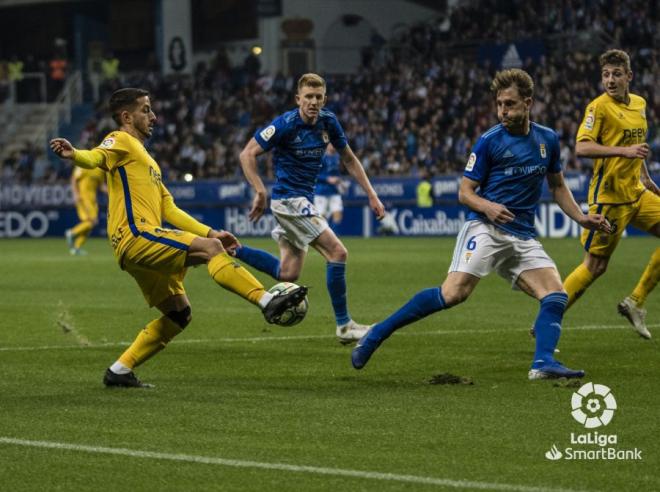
(511, 169)
(298, 150)
(330, 167)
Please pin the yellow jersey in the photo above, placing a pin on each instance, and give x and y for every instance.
(616, 180)
(88, 182)
(137, 196)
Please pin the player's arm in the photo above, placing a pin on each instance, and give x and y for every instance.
(248, 158)
(647, 181)
(495, 212)
(594, 150)
(180, 219)
(183, 221)
(564, 198)
(88, 159)
(355, 169)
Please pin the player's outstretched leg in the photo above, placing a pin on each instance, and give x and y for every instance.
(577, 282)
(348, 331)
(259, 259)
(548, 330)
(631, 306)
(422, 304)
(233, 277)
(76, 237)
(151, 340)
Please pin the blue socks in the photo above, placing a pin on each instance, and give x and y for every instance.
(335, 277)
(260, 259)
(548, 326)
(425, 302)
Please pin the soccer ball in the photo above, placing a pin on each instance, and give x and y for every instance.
(295, 314)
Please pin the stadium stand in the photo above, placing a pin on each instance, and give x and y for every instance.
(419, 101)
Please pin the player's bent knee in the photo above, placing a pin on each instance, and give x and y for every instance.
(340, 254)
(182, 317)
(597, 265)
(454, 296)
(215, 247)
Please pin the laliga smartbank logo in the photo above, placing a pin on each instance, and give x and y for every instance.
(593, 406)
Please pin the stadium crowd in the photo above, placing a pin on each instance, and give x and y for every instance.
(419, 101)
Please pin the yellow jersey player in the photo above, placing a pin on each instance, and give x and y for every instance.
(613, 133)
(157, 257)
(84, 184)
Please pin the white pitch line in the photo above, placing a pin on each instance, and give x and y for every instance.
(310, 337)
(316, 470)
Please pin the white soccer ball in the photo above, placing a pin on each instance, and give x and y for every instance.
(295, 314)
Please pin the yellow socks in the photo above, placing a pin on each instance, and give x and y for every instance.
(151, 340)
(577, 282)
(648, 280)
(233, 277)
(80, 233)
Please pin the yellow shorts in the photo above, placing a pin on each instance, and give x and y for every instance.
(156, 259)
(643, 214)
(88, 210)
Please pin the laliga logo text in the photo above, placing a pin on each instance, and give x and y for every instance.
(593, 406)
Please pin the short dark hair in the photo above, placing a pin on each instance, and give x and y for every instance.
(124, 99)
(616, 58)
(513, 77)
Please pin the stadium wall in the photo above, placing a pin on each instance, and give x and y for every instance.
(48, 210)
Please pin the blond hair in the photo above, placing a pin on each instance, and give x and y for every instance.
(513, 76)
(310, 80)
(615, 57)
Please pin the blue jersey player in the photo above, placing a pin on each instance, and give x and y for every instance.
(329, 185)
(502, 185)
(298, 139)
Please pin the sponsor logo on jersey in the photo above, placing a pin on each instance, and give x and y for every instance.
(267, 132)
(542, 150)
(107, 143)
(589, 120)
(471, 162)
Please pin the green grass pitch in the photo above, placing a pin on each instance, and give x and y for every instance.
(242, 405)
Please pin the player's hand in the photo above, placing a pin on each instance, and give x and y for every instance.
(62, 147)
(259, 204)
(637, 151)
(596, 222)
(228, 240)
(377, 206)
(499, 214)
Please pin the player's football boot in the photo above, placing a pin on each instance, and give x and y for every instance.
(635, 315)
(281, 302)
(130, 380)
(552, 370)
(363, 350)
(351, 332)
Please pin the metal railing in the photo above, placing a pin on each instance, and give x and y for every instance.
(19, 127)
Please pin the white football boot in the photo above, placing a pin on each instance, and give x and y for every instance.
(635, 315)
(351, 332)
